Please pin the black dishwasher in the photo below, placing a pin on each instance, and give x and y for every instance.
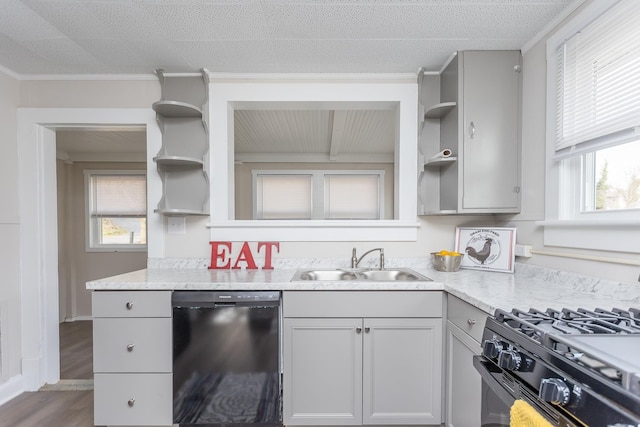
(226, 358)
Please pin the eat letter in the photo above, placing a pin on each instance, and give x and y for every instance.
(268, 252)
(218, 253)
(246, 256)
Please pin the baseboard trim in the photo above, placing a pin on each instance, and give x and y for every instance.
(32, 374)
(76, 319)
(69, 385)
(11, 388)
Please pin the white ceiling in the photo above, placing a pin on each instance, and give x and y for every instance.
(102, 144)
(43, 37)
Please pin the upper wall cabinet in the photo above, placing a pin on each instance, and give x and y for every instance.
(469, 150)
(182, 160)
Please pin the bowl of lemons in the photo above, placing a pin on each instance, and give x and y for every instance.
(446, 260)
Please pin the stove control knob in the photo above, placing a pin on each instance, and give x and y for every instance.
(554, 390)
(510, 360)
(491, 348)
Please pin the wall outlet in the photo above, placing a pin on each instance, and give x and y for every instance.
(176, 225)
(523, 251)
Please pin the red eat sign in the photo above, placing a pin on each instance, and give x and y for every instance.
(221, 251)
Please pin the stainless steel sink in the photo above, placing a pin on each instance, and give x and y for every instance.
(392, 275)
(320, 275)
(386, 275)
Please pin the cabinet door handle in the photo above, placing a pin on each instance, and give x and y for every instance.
(471, 322)
(130, 347)
(358, 329)
(472, 130)
(129, 305)
(131, 402)
(367, 329)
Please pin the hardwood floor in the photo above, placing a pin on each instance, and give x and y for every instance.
(49, 409)
(76, 350)
(59, 408)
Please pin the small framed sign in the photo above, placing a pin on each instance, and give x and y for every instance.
(491, 249)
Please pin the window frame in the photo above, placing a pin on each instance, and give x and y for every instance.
(397, 93)
(91, 224)
(318, 186)
(566, 225)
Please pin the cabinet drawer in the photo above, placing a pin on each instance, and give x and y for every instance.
(466, 317)
(132, 345)
(133, 399)
(362, 304)
(131, 304)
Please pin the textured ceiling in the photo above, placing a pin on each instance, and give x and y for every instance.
(258, 36)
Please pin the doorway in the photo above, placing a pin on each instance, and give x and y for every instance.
(79, 151)
(38, 208)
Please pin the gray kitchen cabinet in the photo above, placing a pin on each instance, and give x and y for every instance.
(354, 358)
(182, 161)
(465, 324)
(132, 358)
(322, 372)
(473, 109)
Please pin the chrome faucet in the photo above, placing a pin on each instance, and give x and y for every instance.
(355, 260)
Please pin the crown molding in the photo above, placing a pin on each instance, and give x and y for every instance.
(317, 77)
(87, 77)
(9, 72)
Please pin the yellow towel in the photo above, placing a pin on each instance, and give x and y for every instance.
(524, 415)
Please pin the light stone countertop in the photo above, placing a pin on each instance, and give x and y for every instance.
(529, 287)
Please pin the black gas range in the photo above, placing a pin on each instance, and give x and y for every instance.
(575, 367)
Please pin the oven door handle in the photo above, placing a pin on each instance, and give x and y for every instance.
(485, 370)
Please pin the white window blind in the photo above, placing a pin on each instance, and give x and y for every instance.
(352, 196)
(116, 210)
(318, 194)
(598, 89)
(284, 196)
(119, 195)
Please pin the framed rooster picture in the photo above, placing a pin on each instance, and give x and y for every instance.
(491, 249)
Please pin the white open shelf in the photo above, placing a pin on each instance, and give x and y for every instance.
(439, 110)
(436, 163)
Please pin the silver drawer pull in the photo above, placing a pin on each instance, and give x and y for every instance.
(471, 322)
(129, 305)
(130, 347)
(367, 329)
(358, 329)
(131, 402)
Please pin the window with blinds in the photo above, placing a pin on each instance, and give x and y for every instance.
(116, 209)
(283, 196)
(349, 196)
(597, 120)
(318, 194)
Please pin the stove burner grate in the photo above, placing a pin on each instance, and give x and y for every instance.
(605, 342)
(536, 324)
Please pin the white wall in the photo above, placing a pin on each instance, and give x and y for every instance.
(10, 322)
(89, 93)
